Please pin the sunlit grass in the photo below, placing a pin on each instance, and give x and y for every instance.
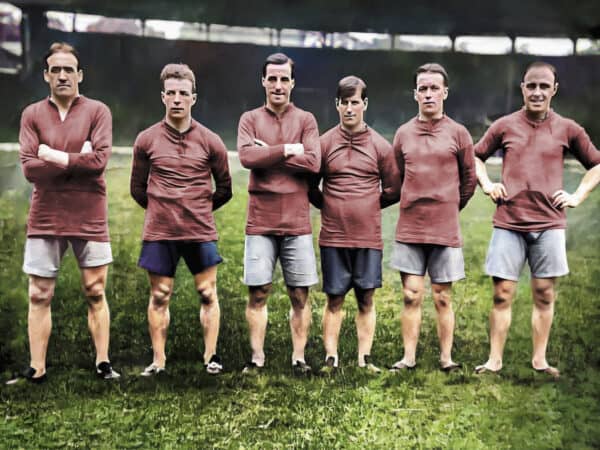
(189, 409)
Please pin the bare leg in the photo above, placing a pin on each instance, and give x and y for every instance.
(365, 322)
(300, 318)
(445, 320)
(541, 321)
(41, 291)
(93, 280)
(500, 318)
(210, 313)
(256, 315)
(333, 315)
(161, 288)
(414, 290)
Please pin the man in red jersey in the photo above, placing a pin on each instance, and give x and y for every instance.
(174, 163)
(66, 140)
(359, 177)
(279, 143)
(530, 218)
(437, 169)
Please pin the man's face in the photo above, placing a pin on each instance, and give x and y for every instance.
(178, 99)
(430, 94)
(352, 111)
(538, 88)
(62, 75)
(278, 84)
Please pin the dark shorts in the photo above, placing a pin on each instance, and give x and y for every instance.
(161, 257)
(346, 268)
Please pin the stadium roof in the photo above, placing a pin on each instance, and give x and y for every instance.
(459, 17)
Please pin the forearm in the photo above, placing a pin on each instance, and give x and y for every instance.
(589, 181)
(35, 170)
(140, 171)
(259, 157)
(482, 175)
(53, 156)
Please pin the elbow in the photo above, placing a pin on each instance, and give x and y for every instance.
(244, 160)
(139, 198)
(315, 166)
(29, 176)
(227, 194)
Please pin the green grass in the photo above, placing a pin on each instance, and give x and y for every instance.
(188, 409)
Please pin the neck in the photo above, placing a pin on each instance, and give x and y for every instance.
(63, 103)
(426, 118)
(279, 110)
(180, 125)
(355, 129)
(536, 116)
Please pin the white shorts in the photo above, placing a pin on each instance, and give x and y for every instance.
(43, 255)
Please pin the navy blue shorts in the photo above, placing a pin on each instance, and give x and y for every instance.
(346, 268)
(161, 257)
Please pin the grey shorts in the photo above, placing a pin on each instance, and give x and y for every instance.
(545, 251)
(43, 255)
(296, 255)
(444, 264)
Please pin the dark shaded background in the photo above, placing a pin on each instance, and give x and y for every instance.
(123, 71)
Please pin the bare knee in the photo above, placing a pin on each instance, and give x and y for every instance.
(94, 291)
(413, 297)
(334, 303)
(502, 301)
(504, 292)
(364, 300)
(257, 296)
(160, 295)
(543, 296)
(40, 296)
(298, 297)
(208, 292)
(441, 297)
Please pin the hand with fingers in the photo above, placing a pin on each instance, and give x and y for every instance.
(293, 149)
(496, 191)
(86, 147)
(562, 199)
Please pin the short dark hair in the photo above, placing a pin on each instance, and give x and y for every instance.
(348, 86)
(277, 58)
(61, 47)
(179, 72)
(432, 68)
(539, 65)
